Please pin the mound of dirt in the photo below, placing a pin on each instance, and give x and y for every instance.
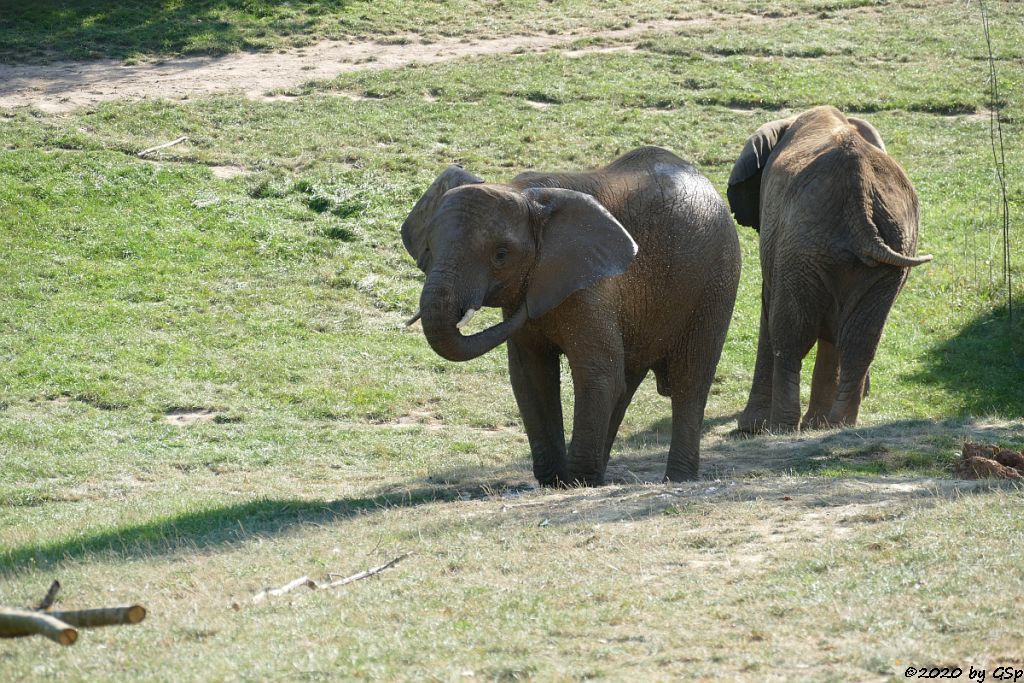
(980, 461)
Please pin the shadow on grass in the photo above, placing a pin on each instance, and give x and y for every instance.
(660, 431)
(983, 366)
(223, 525)
(84, 29)
(913, 458)
(903, 448)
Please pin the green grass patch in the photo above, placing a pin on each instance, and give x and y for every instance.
(206, 386)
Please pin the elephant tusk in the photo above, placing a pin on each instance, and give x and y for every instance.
(466, 318)
(414, 318)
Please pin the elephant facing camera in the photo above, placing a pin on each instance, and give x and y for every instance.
(624, 270)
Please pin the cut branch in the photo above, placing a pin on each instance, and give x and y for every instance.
(50, 596)
(103, 616)
(163, 146)
(15, 623)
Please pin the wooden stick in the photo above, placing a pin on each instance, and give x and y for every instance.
(364, 575)
(50, 596)
(15, 623)
(159, 147)
(287, 588)
(103, 616)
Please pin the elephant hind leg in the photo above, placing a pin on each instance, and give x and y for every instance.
(756, 414)
(785, 415)
(633, 381)
(859, 334)
(661, 375)
(690, 375)
(824, 385)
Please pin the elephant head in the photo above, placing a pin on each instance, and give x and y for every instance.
(495, 245)
(744, 191)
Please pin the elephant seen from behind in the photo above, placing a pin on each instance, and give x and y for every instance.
(625, 269)
(838, 222)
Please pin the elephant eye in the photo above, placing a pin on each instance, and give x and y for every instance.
(500, 254)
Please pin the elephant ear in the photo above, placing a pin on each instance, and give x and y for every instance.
(579, 243)
(415, 229)
(867, 131)
(744, 190)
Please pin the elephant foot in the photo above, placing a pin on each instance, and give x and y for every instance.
(816, 421)
(752, 422)
(782, 427)
(586, 479)
(558, 480)
(672, 476)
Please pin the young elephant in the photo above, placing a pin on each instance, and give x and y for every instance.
(838, 221)
(629, 268)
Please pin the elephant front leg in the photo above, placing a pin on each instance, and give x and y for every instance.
(534, 371)
(633, 381)
(598, 390)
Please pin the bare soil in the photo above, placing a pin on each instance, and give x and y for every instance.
(64, 86)
(183, 417)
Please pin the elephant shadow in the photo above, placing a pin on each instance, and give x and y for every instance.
(982, 366)
(907, 447)
(733, 468)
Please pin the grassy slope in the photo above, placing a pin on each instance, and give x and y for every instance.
(129, 289)
(84, 29)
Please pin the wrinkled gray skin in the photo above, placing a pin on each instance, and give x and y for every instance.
(838, 219)
(626, 269)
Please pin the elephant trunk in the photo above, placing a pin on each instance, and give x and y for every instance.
(443, 312)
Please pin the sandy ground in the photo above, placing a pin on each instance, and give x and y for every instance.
(64, 86)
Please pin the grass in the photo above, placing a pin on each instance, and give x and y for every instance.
(88, 29)
(134, 290)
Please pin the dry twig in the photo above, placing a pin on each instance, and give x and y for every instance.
(163, 146)
(306, 581)
(364, 575)
(287, 588)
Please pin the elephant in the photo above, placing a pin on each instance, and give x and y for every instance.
(838, 224)
(628, 268)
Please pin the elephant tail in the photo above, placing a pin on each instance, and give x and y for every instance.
(877, 252)
(869, 246)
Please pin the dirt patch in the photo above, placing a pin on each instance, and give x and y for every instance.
(183, 417)
(65, 86)
(421, 418)
(228, 172)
